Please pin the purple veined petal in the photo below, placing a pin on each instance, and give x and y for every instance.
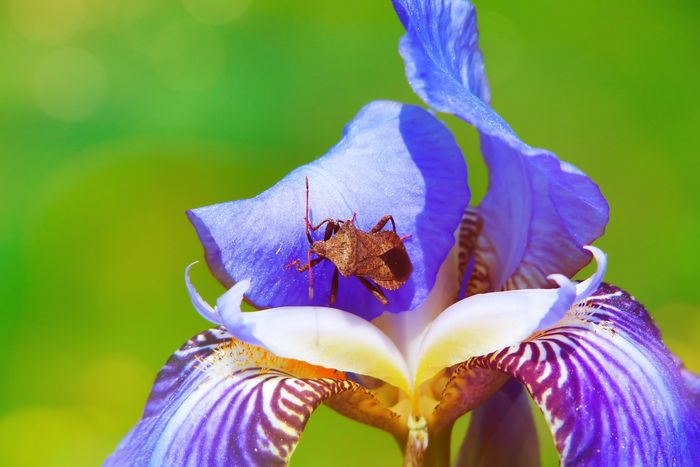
(466, 388)
(692, 382)
(219, 402)
(502, 432)
(610, 390)
(393, 159)
(539, 212)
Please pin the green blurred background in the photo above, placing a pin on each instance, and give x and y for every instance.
(118, 115)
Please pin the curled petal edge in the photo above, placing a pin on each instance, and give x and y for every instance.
(321, 336)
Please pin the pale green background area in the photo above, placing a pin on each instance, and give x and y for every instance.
(118, 115)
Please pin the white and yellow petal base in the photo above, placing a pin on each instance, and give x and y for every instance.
(310, 355)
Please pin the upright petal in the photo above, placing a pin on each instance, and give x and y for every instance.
(611, 392)
(321, 336)
(538, 214)
(393, 159)
(502, 432)
(539, 211)
(220, 402)
(449, 38)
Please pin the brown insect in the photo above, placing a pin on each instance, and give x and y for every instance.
(377, 258)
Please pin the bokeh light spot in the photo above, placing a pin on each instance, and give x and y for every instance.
(216, 11)
(48, 21)
(114, 384)
(117, 12)
(500, 33)
(70, 84)
(188, 56)
(37, 437)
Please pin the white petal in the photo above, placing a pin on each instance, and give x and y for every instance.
(202, 307)
(318, 335)
(407, 329)
(484, 323)
(585, 288)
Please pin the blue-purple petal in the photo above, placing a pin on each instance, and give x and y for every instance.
(539, 212)
(211, 405)
(393, 159)
(692, 382)
(502, 432)
(610, 390)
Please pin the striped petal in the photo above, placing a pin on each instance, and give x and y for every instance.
(220, 402)
(538, 212)
(393, 159)
(464, 389)
(611, 392)
(505, 420)
(484, 323)
(321, 336)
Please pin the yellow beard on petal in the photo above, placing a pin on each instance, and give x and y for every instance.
(235, 355)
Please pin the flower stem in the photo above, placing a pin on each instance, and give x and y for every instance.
(423, 450)
(438, 452)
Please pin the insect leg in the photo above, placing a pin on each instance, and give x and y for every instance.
(378, 294)
(311, 275)
(382, 222)
(328, 221)
(331, 228)
(334, 287)
(301, 268)
(306, 218)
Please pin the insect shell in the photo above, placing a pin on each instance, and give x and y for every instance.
(378, 258)
(377, 255)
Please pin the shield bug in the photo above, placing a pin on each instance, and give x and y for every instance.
(377, 258)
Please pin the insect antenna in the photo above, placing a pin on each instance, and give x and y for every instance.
(308, 236)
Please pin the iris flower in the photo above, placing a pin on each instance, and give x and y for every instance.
(488, 314)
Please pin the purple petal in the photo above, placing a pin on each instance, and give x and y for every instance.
(610, 390)
(539, 212)
(448, 37)
(393, 159)
(467, 388)
(212, 404)
(692, 382)
(502, 432)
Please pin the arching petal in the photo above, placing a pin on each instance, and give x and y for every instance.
(465, 388)
(321, 336)
(539, 211)
(393, 159)
(220, 402)
(502, 432)
(610, 390)
(484, 323)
